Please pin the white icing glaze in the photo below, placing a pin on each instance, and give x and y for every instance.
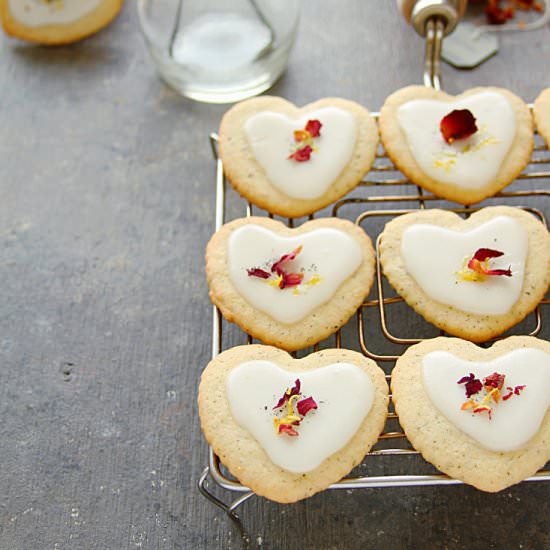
(515, 421)
(271, 137)
(433, 255)
(35, 13)
(330, 253)
(487, 148)
(344, 394)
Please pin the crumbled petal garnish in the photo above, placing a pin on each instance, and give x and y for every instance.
(313, 127)
(257, 272)
(473, 385)
(293, 398)
(492, 386)
(287, 429)
(305, 138)
(497, 15)
(290, 279)
(302, 154)
(477, 267)
(306, 405)
(276, 267)
(494, 380)
(289, 392)
(484, 408)
(458, 124)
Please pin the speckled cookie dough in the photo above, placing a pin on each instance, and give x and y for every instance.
(320, 322)
(541, 112)
(471, 326)
(60, 22)
(398, 149)
(249, 177)
(448, 448)
(244, 456)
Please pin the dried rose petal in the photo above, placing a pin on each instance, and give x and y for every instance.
(519, 389)
(257, 272)
(288, 394)
(301, 135)
(302, 154)
(483, 254)
(473, 385)
(313, 127)
(276, 267)
(494, 380)
(290, 279)
(509, 394)
(306, 405)
(484, 408)
(458, 124)
(287, 429)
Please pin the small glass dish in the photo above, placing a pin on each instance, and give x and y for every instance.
(219, 51)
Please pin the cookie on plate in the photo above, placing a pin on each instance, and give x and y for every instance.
(294, 161)
(541, 112)
(464, 148)
(56, 21)
(288, 428)
(478, 415)
(473, 278)
(289, 287)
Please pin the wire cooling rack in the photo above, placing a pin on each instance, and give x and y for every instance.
(370, 205)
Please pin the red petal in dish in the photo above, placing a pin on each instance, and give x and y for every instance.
(287, 429)
(494, 380)
(473, 385)
(478, 263)
(277, 266)
(458, 124)
(290, 279)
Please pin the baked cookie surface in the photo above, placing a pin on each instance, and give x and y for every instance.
(438, 384)
(465, 170)
(263, 144)
(289, 287)
(541, 113)
(56, 21)
(341, 410)
(425, 257)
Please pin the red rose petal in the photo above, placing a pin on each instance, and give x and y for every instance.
(519, 389)
(290, 279)
(257, 272)
(287, 395)
(287, 429)
(306, 405)
(494, 380)
(302, 154)
(276, 267)
(458, 124)
(313, 127)
(483, 254)
(472, 384)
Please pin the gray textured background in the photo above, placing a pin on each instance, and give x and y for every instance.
(106, 204)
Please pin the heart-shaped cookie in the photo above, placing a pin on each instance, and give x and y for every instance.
(288, 428)
(289, 287)
(292, 161)
(478, 415)
(450, 160)
(429, 257)
(541, 112)
(56, 22)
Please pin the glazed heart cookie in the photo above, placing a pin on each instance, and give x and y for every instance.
(289, 287)
(292, 161)
(541, 112)
(473, 278)
(478, 415)
(288, 428)
(463, 148)
(56, 21)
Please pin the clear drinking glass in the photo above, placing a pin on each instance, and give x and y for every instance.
(219, 51)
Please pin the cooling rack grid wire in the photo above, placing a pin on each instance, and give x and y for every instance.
(366, 205)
